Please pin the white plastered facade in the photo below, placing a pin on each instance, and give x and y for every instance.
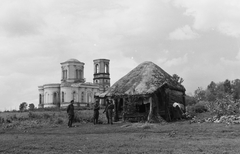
(72, 87)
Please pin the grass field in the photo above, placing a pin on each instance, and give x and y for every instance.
(167, 138)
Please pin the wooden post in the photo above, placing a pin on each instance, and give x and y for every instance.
(150, 115)
(116, 110)
(184, 102)
(167, 101)
(124, 109)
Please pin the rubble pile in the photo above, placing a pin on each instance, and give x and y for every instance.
(227, 119)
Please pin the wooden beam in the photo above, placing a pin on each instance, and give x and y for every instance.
(184, 102)
(124, 109)
(116, 118)
(150, 115)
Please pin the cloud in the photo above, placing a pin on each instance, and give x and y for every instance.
(184, 33)
(221, 15)
(176, 61)
(233, 63)
(20, 18)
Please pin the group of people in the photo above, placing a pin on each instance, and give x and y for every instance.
(108, 110)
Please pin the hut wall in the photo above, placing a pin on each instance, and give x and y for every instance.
(177, 96)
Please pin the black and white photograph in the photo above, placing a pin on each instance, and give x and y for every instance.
(119, 76)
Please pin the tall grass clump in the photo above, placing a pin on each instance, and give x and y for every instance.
(59, 120)
(33, 115)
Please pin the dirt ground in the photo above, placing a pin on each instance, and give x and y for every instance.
(169, 138)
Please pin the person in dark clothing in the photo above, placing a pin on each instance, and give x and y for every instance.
(96, 108)
(70, 111)
(109, 111)
(105, 110)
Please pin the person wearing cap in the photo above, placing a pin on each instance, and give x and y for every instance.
(96, 108)
(70, 112)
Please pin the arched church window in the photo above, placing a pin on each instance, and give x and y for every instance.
(65, 74)
(77, 74)
(82, 96)
(62, 97)
(74, 96)
(97, 68)
(54, 98)
(80, 74)
(40, 99)
(89, 97)
(48, 98)
(106, 68)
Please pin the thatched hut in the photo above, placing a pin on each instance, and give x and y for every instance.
(147, 92)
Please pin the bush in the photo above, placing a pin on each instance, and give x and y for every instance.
(78, 117)
(32, 115)
(200, 107)
(1, 120)
(59, 121)
(46, 116)
(190, 100)
(13, 117)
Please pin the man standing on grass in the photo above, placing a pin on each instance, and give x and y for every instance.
(70, 111)
(109, 111)
(96, 108)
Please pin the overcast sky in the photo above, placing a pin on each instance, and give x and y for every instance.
(197, 39)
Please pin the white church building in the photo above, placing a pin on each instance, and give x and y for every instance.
(73, 85)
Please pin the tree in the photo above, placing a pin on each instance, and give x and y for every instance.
(177, 78)
(236, 89)
(190, 100)
(210, 96)
(227, 86)
(199, 94)
(31, 106)
(212, 87)
(211, 91)
(220, 90)
(23, 106)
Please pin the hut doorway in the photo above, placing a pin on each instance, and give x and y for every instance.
(143, 108)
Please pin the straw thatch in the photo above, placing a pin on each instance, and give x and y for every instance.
(145, 79)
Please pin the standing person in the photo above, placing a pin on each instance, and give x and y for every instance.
(96, 108)
(70, 111)
(109, 111)
(105, 110)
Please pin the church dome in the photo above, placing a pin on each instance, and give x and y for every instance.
(73, 60)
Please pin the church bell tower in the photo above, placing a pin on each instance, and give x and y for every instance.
(101, 74)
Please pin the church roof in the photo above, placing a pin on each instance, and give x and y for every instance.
(72, 60)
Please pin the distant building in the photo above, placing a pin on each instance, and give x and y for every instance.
(73, 85)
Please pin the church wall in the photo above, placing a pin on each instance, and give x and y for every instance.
(51, 95)
(70, 93)
(73, 85)
(41, 96)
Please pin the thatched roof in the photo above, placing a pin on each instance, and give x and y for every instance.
(145, 79)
